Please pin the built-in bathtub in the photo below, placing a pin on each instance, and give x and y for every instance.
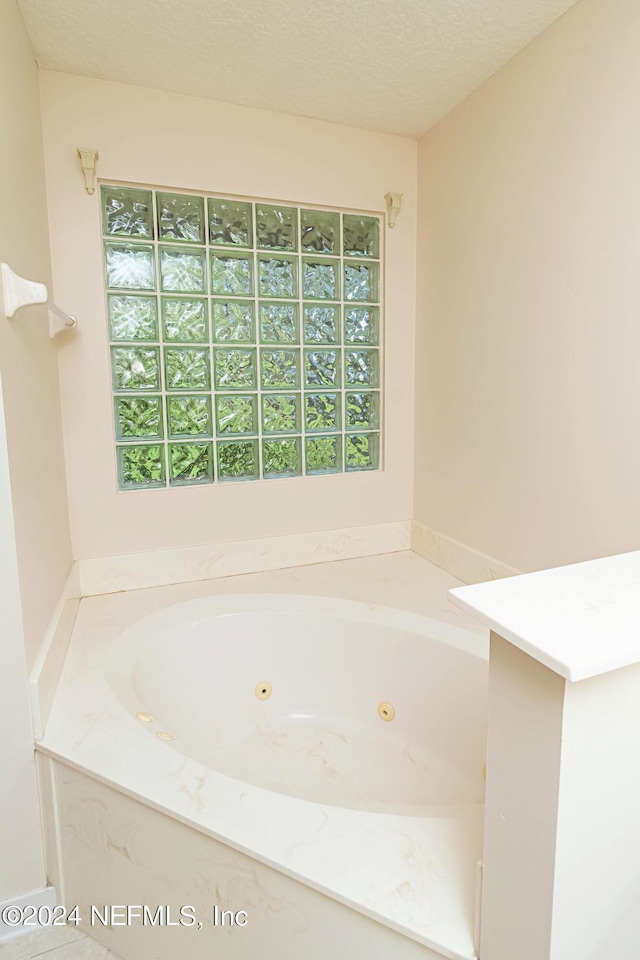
(314, 762)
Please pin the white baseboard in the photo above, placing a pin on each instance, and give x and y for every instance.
(46, 897)
(46, 670)
(162, 567)
(457, 558)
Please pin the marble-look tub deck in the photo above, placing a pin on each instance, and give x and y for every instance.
(416, 875)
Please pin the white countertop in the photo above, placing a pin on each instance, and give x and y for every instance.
(415, 874)
(580, 621)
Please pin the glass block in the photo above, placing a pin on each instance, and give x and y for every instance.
(322, 368)
(127, 212)
(231, 274)
(279, 369)
(281, 458)
(321, 323)
(361, 451)
(277, 276)
(238, 460)
(138, 417)
(185, 320)
(362, 411)
(276, 227)
(189, 416)
(321, 412)
(320, 279)
(281, 413)
(180, 217)
(182, 270)
(187, 368)
(236, 415)
(279, 322)
(140, 466)
(130, 266)
(323, 454)
(361, 236)
(361, 281)
(320, 231)
(230, 223)
(361, 324)
(135, 368)
(235, 369)
(233, 321)
(361, 366)
(133, 318)
(190, 463)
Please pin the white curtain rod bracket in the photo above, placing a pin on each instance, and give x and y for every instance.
(394, 203)
(88, 160)
(17, 292)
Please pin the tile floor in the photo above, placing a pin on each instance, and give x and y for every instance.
(54, 943)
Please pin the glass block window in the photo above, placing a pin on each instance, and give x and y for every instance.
(245, 338)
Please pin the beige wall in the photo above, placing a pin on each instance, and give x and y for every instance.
(528, 349)
(28, 361)
(34, 534)
(160, 138)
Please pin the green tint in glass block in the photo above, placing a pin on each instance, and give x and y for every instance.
(323, 454)
(138, 418)
(132, 318)
(233, 321)
(130, 266)
(362, 411)
(182, 270)
(238, 460)
(189, 417)
(361, 281)
(135, 368)
(190, 463)
(321, 323)
(230, 223)
(281, 413)
(361, 236)
(185, 320)
(320, 279)
(281, 458)
(322, 368)
(277, 276)
(320, 231)
(180, 217)
(231, 274)
(361, 324)
(187, 368)
(276, 227)
(321, 412)
(361, 367)
(279, 322)
(127, 212)
(235, 369)
(236, 415)
(280, 369)
(361, 451)
(140, 467)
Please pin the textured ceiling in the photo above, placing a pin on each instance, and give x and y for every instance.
(392, 65)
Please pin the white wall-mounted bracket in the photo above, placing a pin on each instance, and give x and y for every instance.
(88, 160)
(17, 292)
(394, 203)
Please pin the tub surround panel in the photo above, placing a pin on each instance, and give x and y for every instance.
(117, 850)
(46, 670)
(388, 867)
(460, 560)
(580, 621)
(136, 571)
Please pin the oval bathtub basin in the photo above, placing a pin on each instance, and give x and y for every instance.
(333, 701)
